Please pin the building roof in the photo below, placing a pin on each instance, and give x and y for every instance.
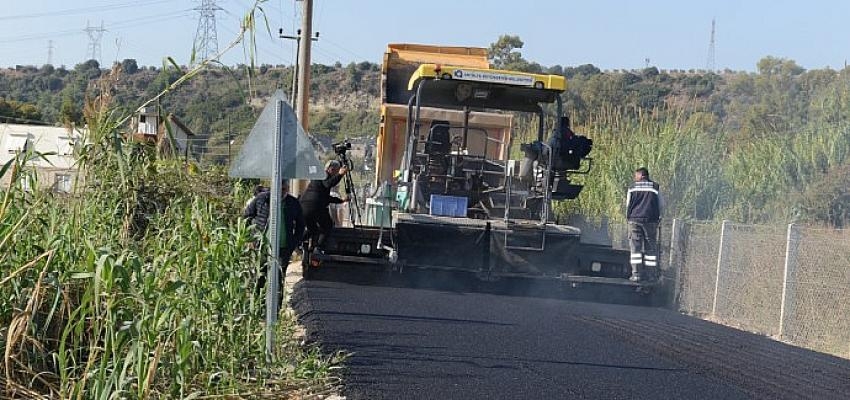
(174, 120)
(44, 139)
(148, 111)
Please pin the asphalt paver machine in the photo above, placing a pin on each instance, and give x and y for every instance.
(450, 195)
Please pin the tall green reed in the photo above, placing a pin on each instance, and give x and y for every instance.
(138, 285)
(706, 170)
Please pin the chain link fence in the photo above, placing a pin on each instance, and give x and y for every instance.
(697, 249)
(750, 267)
(788, 282)
(817, 302)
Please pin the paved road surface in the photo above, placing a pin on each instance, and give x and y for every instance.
(414, 343)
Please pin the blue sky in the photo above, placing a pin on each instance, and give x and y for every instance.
(609, 34)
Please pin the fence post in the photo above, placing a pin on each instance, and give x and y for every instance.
(720, 262)
(675, 248)
(791, 246)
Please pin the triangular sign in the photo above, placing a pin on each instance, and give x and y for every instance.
(298, 157)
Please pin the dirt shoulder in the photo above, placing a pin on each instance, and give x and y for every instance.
(293, 276)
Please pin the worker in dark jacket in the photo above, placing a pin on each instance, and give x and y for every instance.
(257, 213)
(569, 147)
(257, 190)
(645, 205)
(315, 201)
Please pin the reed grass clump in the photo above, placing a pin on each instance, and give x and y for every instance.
(707, 171)
(138, 285)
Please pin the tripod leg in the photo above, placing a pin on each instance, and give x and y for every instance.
(353, 210)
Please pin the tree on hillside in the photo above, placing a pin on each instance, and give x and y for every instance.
(504, 54)
(501, 52)
(129, 66)
(585, 69)
(69, 114)
(6, 109)
(28, 112)
(15, 111)
(778, 102)
(88, 70)
(166, 77)
(779, 66)
(827, 200)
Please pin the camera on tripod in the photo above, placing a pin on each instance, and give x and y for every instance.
(341, 147)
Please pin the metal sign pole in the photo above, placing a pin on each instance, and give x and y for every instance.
(277, 148)
(272, 273)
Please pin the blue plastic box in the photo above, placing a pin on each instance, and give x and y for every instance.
(448, 206)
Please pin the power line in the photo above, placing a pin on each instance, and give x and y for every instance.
(321, 13)
(206, 38)
(294, 21)
(147, 21)
(709, 64)
(327, 55)
(113, 26)
(95, 35)
(345, 49)
(268, 10)
(117, 48)
(50, 52)
(281, 14)
(41, 36)
(83, 10)
(260, 49)
(297, 37)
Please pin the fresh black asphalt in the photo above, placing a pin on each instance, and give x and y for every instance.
(410, 342)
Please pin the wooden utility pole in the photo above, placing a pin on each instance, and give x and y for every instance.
(303, 93)
(304, 62)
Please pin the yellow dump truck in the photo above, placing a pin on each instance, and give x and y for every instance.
(399, 64)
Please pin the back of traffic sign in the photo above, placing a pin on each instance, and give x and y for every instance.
(298, 158)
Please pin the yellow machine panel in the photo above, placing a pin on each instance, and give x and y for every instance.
(512, 78)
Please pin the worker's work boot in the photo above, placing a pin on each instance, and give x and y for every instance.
(635, 274)
(311, 255)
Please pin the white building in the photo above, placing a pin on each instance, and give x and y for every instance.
(149, 127)
(58, 172)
